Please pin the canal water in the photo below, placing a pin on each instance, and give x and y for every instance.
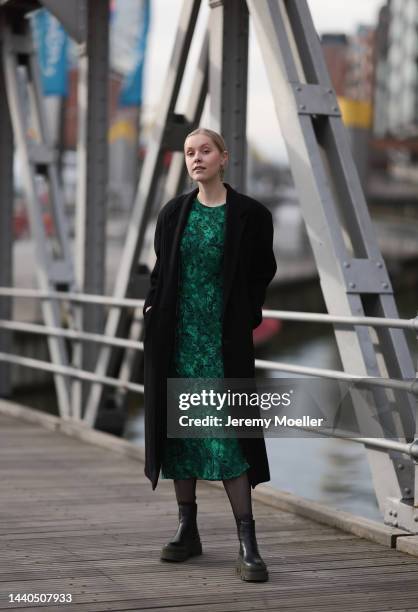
(331, 471)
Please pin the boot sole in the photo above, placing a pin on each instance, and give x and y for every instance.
(177, 554)
(251, 575)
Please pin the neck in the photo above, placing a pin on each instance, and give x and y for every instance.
(212, 193)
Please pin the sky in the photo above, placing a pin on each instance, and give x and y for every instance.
(263, 129)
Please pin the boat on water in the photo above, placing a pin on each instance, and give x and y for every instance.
(267, 329)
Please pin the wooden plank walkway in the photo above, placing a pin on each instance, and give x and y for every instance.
(77, 518)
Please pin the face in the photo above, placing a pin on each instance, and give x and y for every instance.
(203, 158)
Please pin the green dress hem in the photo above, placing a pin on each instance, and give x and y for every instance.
(185, 475)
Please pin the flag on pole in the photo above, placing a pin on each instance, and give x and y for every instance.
(131, 92)
(51, 42)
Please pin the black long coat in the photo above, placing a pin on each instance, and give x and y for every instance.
(249, 266)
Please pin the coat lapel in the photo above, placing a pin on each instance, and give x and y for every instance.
(236, 213)
(176, 223)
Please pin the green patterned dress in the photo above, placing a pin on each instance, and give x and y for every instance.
(198, 344)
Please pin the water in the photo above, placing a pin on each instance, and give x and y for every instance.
(331, 471)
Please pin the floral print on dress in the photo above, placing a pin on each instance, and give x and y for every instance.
(198, 343)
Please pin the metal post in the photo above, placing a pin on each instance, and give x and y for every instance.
(6, 228)
(173, 185)
(54, 268)
(228, 70)
(90, 254)
(168, 132)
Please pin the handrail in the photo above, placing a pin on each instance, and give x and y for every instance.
(34, 328)
(81, 298)
(342, 319)
(404, 385)
(407, 448)
(391, 383)
(38, 364)
(269, 313)
(410, 449)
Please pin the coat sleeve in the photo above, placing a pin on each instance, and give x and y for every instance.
(156, 270)
(263, 264)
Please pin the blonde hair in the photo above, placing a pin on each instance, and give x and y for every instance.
(216, 138)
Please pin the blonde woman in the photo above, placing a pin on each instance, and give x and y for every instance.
(214, 262)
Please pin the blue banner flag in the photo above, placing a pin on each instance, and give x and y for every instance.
(51, 42)
(131, 92)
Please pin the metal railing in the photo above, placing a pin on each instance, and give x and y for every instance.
(314, 317)
(410, 449)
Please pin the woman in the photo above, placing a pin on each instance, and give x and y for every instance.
(214, 262)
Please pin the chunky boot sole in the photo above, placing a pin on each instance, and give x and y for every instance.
(251, 575)
(181, 553)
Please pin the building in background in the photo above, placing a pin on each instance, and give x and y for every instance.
(381, 90)
(359, 78)
(335, 49)
(351, 64)
(397, 90)
(396, 99)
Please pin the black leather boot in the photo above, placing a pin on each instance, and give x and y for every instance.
(186, 542)
(250, 566)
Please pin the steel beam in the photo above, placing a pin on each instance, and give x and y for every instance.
(339, 227)
(146, 190)
(173, 185)
(6, 227)
(21, 71)
(90, 253)
(72, 16)
(228, 72)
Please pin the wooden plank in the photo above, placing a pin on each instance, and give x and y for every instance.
(81, 519)
(408, 545)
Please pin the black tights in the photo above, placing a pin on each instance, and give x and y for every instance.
(238, 490)
(185, 490)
